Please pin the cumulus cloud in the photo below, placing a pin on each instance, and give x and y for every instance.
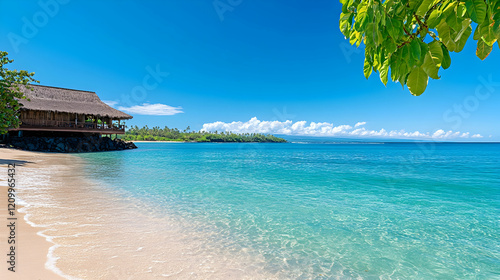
(441, 134)
(110, 102)
(152, 109)
(328, 129)
(359, 124)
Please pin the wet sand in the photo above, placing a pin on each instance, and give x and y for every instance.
(31, 248)
(93, 232)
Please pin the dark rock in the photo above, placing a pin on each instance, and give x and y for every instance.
(60, 147)
(69, 144)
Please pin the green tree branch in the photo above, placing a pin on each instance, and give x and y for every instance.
(394, 34)
(10, 93)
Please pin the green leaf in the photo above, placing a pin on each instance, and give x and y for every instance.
(361, 17)
(483, 49)
(405, 52)
(430, 67)
(388, 27)
(373, 35)
(367, 68)
(415, 49)
(380, 38)
(424, 7)
(395, 59)
(496, 13)
(449, 9)
(436, 51)
(477, 10)
(369, 35)
(359, 38)
(434, 19)
(463, 35)
(417, 81)
(376, 60)
(496, 30)
(345, 23)
(487, 32)
(446, 57)
(353, 37)
(461, 10)
(477, 33)
(396, 28)
(403, 71)
(445, 36)
(414, 3)
(344, 5)
(390, 46)
(452, 21)
(384, 72)
(423, 47)
(433, 59)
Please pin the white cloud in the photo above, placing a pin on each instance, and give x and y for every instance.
(359, 124)
(438, 133)
(110, 102)
(152, 109)
(328, 129)
(441, 134)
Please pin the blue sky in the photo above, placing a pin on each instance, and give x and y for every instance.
(241, 65)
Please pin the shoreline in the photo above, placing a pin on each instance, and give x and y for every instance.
(143, 141)
(81, 228)
(33, 250)
(166, 142)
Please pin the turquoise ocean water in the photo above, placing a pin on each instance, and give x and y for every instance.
(327, 210)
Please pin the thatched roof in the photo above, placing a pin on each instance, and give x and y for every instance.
(45, 98)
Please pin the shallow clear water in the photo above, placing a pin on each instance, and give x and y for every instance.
(370, 211)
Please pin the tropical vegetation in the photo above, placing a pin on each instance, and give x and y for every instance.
(414, 38)
(10, 93)
(173, 134)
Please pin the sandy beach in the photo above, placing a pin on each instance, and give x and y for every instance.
(31, 251)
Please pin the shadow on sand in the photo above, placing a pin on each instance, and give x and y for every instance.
(13, 161)
(10, 161)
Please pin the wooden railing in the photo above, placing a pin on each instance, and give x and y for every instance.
(32, 123)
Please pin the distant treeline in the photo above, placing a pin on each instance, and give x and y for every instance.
(173, 134)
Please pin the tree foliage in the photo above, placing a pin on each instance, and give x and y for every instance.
(413, 38)
(173, 134)
(10, 93)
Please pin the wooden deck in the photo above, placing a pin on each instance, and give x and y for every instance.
(59, 126)
(62, 129)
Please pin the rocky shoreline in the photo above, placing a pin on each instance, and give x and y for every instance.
(69, 144)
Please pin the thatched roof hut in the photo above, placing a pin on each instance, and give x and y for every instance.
(62, 100)
(53, 109)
